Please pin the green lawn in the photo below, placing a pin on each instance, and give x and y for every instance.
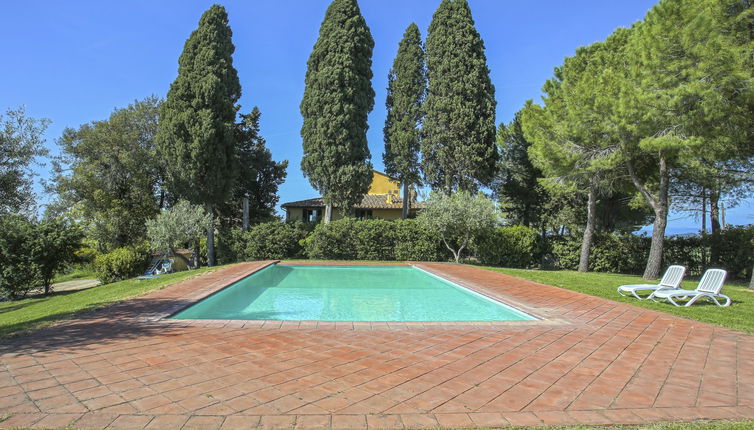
(33, 312)
(737, 316)
(699, 425)
(75, 275)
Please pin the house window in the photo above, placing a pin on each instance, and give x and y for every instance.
(363, 213)
(312, 215)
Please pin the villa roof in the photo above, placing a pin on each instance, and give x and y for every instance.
(370, 201)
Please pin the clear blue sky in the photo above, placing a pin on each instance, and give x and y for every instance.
(74, 62)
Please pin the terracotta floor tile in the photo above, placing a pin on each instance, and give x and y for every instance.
(593, 361)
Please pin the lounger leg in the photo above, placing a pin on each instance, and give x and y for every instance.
(619, 292)
(722, 296)
(670, 299)
(697, 297)
(636, 295)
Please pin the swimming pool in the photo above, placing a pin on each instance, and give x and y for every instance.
(349, 293)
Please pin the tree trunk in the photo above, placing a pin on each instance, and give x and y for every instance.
(328, 213)
(211, 238)
(197, 257)
(659, 204)
(751, 283)
(704, 212)
(714, 211)
(406, 201)
(586, 243)
(654, 263)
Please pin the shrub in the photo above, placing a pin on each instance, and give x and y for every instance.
(414, 242)
(335, 241)
(375, 239)
(122, 263)
(274, 240)
(565, 251)
(32, 252)
(510, 246)
(19, 270)
(735, 248)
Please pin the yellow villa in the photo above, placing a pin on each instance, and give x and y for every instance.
(383, 200)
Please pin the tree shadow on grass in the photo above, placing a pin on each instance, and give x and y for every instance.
(129, 320)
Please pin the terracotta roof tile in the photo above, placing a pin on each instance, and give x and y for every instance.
(370, 201)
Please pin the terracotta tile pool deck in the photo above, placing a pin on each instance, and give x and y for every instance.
(590, 361)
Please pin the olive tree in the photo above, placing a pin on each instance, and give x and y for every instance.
(182, 224)
(458, 218)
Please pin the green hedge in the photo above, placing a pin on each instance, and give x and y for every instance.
(122, 263)
(510, 246)
(375, 239)
(628, 253)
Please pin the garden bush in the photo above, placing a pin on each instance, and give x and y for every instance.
(32, 252)
(375, 239)
(735, 248)
(349, 239)
(333, 241)
(509, 246)
(414, 242)
(274, 240)
(122, 263)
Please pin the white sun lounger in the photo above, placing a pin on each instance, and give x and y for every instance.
(709, 287)
(670, 280)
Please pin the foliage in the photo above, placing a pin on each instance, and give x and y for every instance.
(627, 253)
(109, 176)
(735, 250)
(335, 240)
(458, 144)
(196, 136)
(337, 99)
(19, 271)
(21, 143)
(273, 240)
(737, 316)
(458, 218)
(182, 225)
(39, 311)
(57, 241)
(259, 176)
(516, 186)
(414, 242)
(32, 252)
(406, 89)
(509, 246)
(375, 240)
(122, 263)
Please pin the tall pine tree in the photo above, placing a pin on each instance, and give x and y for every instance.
(196, 133)
(522, 198)
(407, 86)
(259, 176)
(458, 145)
(337, 99)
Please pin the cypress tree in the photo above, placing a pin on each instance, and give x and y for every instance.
(407, 86)
(196, 132)
(337, 99)
(458, 145)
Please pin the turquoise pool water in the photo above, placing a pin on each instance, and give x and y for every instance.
(348, 293)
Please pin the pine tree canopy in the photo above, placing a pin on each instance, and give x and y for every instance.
(337, 99)
(407, 83)
(196, 135)
(458, 145)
